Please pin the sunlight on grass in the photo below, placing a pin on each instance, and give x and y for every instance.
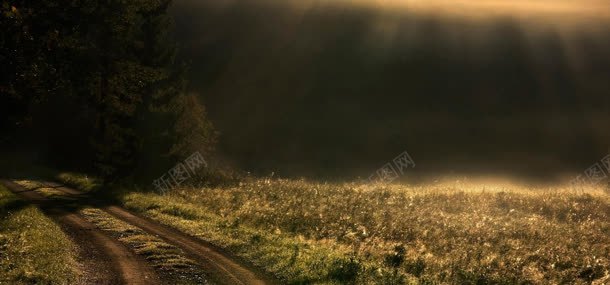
(449, 232)
(79, 181)
(29, 184)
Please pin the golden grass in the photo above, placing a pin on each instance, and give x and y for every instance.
(455, 232)
(79, 181)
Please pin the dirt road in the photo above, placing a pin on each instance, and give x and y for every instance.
(104, 259)
(116, 264)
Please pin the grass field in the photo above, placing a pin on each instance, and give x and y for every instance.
(33, 249)
(445, 233)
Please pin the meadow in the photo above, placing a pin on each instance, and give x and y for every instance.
(450, 232)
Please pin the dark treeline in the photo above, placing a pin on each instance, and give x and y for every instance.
(95, 85)
(301, 87)
(308, 88)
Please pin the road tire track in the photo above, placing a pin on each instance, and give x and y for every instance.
(219, 266)
(105, 260)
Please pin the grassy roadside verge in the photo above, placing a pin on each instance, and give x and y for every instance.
(33, 249)
(295, 260)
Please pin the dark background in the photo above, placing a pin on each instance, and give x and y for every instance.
(339, 90)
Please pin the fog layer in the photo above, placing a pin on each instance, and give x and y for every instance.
(331, 88)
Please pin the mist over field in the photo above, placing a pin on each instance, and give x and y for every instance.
(338, 88)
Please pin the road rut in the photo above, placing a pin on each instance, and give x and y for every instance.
(105, 260)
